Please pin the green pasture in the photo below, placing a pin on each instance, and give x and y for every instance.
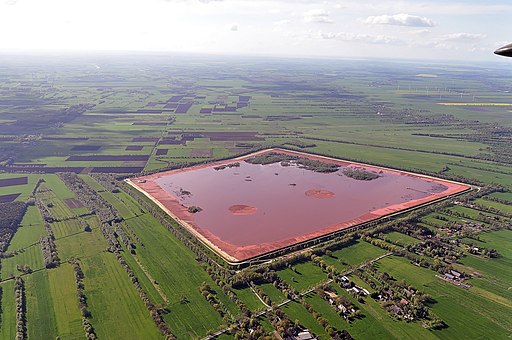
(401, 238)
(116, 308)
(303, 276)
(353, 255)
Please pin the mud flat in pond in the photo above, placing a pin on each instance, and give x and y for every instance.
(319, 193)
(240, 209)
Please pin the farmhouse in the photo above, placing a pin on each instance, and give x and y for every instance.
(305, 335)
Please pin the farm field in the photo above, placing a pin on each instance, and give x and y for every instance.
(8, 325)
(91, 255)
(116, 307)
(297, 312)
(303, 276)
(30, 230)
(249, 299)
(400, 238)
(353, 255)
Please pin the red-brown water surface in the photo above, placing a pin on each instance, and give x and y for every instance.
(253, 209)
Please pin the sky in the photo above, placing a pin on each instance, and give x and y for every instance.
(435, 29)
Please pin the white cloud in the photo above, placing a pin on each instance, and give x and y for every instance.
(401, 19)
(425, 7)
(362, 38)
(282, 22)
(328, 35)
(233, 27)
(421, 32)
(463, 37)
(318, 16)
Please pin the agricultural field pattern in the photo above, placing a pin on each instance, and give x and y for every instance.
(85, 253)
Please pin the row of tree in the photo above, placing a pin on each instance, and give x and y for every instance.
(49, 249)
(11, 215)
(82, 300)
(106, 213)
(498, 200)
(226, 288)
(90, 198)
(210, 295)
(21, 311)
(44, 210)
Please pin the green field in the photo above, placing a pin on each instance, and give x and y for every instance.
(275, 295)
(113, 301)
(303, 276)
(496, 276)
(503, 195)
(41, 316)
(30, 256)
(321, 306)
(401, 239)
(249, 299)
(63, 292)
(82, 244)
(353, 255)
(24, 190)
(296, 311)
(30, 231)
(507, 209)
(8, 324)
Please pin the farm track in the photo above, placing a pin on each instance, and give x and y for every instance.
(153, 282)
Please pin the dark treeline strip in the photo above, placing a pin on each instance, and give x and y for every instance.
(11, 215)
(90, 334)
(209, 295)
(94, 202)
(21, 309)
(49, 249)
(225, 285)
